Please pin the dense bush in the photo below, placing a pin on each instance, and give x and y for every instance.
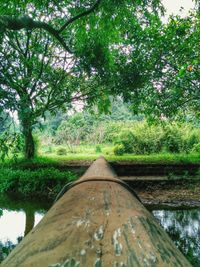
(98, 149)
(61, 152)
(119, 150)
(196, 148)
(112, 129)
(147, 138)
(141, 138)
(41, 183)
(172, 138)
(127, 139)
(137, 137)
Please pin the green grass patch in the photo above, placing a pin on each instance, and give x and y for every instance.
(44, 177)
(42, 183)
(158, 158)
(152, 158)
(53, 160)
(90, 152)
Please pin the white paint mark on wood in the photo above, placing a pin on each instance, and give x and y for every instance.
(98, 235)
(117, 245)
(83, 252)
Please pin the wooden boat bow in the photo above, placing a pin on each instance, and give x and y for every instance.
(97, 222)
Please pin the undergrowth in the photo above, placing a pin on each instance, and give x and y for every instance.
(42, 183)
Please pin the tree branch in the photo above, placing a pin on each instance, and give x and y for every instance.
(83, 14)
(25, 22)
(16, 24)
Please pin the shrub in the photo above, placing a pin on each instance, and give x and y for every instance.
(111, 130)
(142, 138)
(98, 149)
(49, 150)
(172, 138)
(119, 150)
(61, 152)
(148, 138)
(127, 139)
(196, 148)
(42, 183)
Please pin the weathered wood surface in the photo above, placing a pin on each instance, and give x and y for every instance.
(97, 224)
(144, 178)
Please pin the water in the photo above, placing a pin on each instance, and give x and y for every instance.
(183, 226)
(17, 219)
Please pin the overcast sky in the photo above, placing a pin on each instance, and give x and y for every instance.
(174, 6)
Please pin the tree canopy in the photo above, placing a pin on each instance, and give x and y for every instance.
(54, 53)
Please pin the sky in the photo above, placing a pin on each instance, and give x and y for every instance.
(174, 6)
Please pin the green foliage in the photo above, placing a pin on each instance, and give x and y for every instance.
(111, 130)
(74, 129)
(61, 151)
(98, 149)
(49, 150)
(121, 48)
(196, 148)
(36, 78)
(198, 174)
(142, 138)
(172, 139)
(136, 135)
(5, 121)
(119, 149)
(10, 144)
(91, 127)
(127, 140)
(39, 183)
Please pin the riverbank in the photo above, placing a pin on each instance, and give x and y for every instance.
(43, 178)
(85, 159)
(45, 184)
(173, 194)
(41, 183)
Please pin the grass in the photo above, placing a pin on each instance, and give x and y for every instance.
(153, 158)
(53, 160)
(44, 176)
(88, 152)
(40, 183)
(48, 156)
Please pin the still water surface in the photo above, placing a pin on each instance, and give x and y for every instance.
(17, 219)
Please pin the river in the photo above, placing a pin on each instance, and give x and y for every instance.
(18, 217)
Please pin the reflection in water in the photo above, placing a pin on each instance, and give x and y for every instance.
(14, 225)
(183, 226)
(16, 220)
(30, 221)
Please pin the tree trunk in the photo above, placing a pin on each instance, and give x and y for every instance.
(30, 221)
(29, 144)
(29, 148)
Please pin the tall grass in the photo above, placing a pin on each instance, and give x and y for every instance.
(42, 183)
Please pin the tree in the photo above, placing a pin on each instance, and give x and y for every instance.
(115, 47)
(5, 121)
(177, 74)
(30, 80)
(39, 72)
(167, 83)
